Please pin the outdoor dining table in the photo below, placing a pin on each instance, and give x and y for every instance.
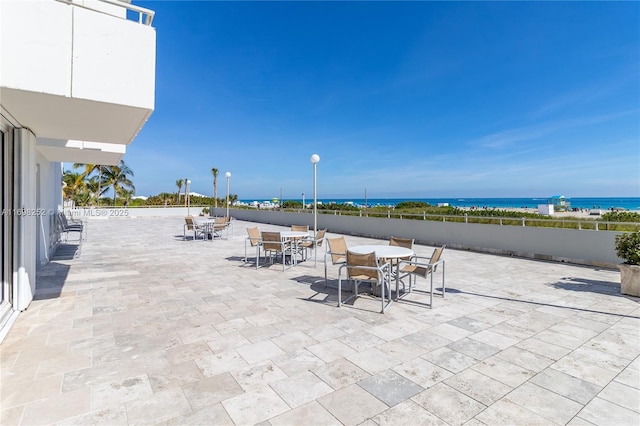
(294, 237)
(208, 225)
(384, 252)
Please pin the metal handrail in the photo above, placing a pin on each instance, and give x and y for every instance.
(148, 14)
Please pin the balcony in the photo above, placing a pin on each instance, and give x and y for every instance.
(77, 70)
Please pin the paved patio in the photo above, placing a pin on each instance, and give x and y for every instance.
(144, 328)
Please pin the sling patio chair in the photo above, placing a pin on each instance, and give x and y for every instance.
(229, 221)
(63, 226)
(274, 246)
(401, 242)
(220, 224)
(365, 268)
(312, 244)
(191, 226)
(254, 240)
(300, 228)
(337, 249)
(420, 266)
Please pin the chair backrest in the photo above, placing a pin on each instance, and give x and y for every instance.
(369, 260)
(190, 223)
(437, 253)
(271, 241)
(300, 228)
(227, 219)
(220, 221)
(320, 237)
(254, 236)
(401, 242)
(338, 249)
(63, 219)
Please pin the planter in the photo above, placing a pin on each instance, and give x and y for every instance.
(630, 279)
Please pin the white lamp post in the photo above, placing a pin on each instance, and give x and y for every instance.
(228, 175)
(314, 159)
(188, 195)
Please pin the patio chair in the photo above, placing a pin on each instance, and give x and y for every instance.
(63, 226)
(300, 228)
(191, 226)
(400, 242)
(365, 268)
(254, 240)
(229, 221)
(313, 243)
(220, 224)
(424, 268)
(337, 249)
(273, 246)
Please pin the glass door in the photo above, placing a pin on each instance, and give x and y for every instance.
(6, 221)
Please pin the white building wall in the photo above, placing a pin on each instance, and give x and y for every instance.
(44, 30)
(25, 235)
(113, 59)
(54, 48)
(49, 202)
(66, 72)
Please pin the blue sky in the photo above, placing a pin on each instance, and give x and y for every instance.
(411, 99)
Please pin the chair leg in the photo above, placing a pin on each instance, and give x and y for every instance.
(431, 292)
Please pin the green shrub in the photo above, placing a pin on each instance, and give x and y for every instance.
(292, 204)
(621, 217)
(411, 205)
(628, 247)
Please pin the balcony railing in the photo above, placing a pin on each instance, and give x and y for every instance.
(145, 16)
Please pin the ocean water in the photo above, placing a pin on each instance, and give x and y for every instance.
(604, 203)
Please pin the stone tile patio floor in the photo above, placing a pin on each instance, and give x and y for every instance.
(144, 328)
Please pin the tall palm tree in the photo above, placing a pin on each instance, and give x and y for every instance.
(214, 172)
(88, 169)
(72, 184)
(117, 177)
(179, 183)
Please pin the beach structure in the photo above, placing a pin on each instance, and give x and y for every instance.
(77, 85)
(560, 203)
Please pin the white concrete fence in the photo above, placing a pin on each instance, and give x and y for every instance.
(587, 247)
(595, 248)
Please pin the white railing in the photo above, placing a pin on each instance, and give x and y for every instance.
(145, 16)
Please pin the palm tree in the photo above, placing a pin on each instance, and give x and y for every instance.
(94, 187)
(126, 194)
(72, 185)
(88, 169)
(179, 183)
(117, 177)
(214, 172)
